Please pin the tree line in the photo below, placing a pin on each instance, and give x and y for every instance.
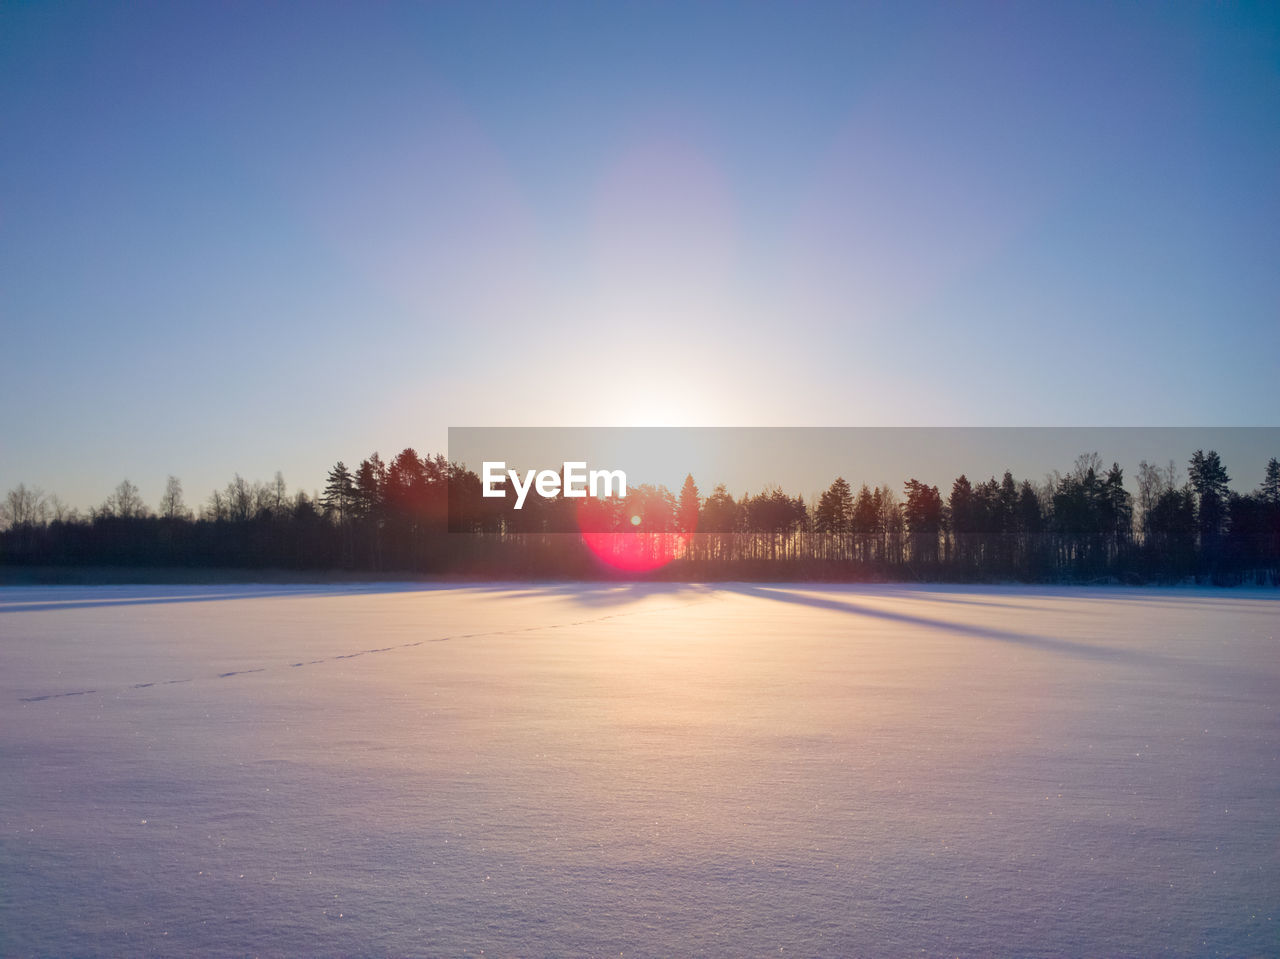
(423, 514)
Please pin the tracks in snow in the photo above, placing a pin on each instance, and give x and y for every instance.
(364, 652)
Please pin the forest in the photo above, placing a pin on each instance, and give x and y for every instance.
(422, 515)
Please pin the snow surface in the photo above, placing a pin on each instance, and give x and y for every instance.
(638, 770)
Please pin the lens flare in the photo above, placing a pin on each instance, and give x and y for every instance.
(631, 538)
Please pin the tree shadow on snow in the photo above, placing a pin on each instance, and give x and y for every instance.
(1049, 644)
(107, 597)
(596, 594)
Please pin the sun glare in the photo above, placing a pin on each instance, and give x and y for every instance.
(626, 541)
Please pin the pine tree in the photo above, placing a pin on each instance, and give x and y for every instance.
(687, 508)
(1269, 491)
(1209, 479)
(338, 491)
(834, 514)
(367, 493)
(923, 515)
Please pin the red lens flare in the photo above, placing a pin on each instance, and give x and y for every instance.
(630, 534)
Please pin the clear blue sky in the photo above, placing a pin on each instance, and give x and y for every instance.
(250, 237)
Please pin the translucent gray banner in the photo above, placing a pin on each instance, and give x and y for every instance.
(526, 467)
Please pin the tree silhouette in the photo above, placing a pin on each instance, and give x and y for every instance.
(962, 507)
(833, 517)
(1209, 479)
(1170, 534)
(688, 506)
(923, 516)
(339, 492)
(1080, 526)
(22, 507)
(171, 505)
(123, 503)
(1269, 491)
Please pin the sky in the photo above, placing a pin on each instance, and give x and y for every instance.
(242, 238)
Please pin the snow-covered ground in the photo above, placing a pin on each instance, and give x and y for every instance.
(639, 770)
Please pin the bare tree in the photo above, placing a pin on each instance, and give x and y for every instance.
(239, 498)
(216, 510)
(1085, 464)
(1153, 482)
(124, 502)
(171, 503)
(60, 512)
(23, 507)
(264, 498)
(279, 495)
